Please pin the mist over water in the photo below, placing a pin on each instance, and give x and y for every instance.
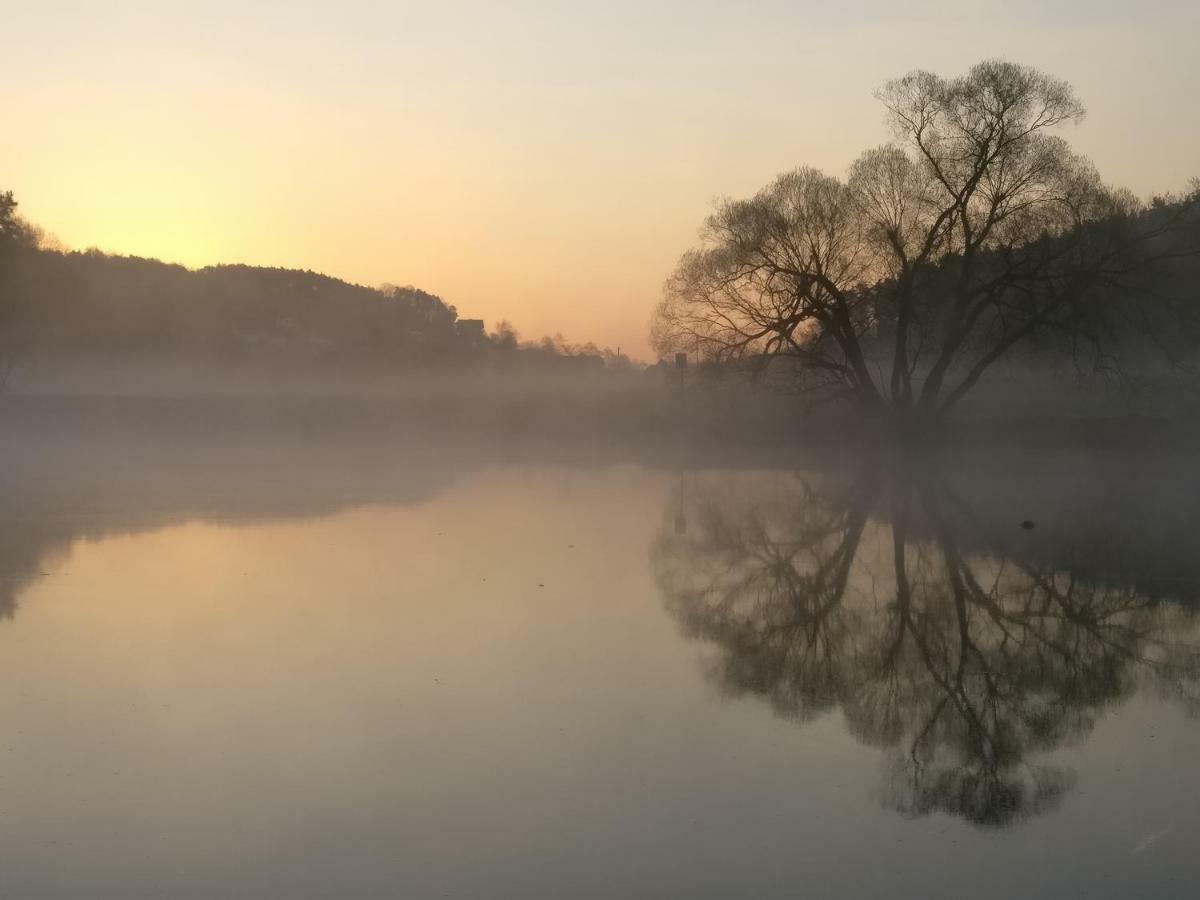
(246, 659)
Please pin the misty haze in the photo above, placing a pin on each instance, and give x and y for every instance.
(739, 451)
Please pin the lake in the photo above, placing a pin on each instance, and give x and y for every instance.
(274, 671)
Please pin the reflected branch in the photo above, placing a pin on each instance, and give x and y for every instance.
(977, 664)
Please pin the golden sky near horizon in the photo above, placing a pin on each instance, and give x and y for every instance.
(541, 162)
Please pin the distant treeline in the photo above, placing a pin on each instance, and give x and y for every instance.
(62, 303)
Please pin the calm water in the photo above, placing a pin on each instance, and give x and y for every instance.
(370, 677)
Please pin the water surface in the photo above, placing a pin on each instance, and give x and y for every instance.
(420, 678)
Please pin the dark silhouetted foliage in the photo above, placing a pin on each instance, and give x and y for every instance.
(976, 233)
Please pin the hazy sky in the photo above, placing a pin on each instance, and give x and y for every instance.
(543, 162)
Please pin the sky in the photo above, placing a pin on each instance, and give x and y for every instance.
(545, 163)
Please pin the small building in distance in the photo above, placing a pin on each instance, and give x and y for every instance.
(471, 331)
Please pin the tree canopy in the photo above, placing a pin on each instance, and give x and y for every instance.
(976, 230)
(15, 232)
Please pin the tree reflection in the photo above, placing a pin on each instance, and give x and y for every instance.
(888, 600)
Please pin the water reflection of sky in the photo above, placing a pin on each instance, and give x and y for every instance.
(485, 690)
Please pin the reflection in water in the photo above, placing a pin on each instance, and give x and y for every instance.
(963, 654)
(373, 672)
(51, 496)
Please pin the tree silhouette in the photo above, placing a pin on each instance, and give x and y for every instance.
(14, 230)
(17, 237)
(976, 231)
(964, 665)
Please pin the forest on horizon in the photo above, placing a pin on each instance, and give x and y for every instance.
(61, 303)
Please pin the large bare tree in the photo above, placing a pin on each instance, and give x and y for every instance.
(975, 230)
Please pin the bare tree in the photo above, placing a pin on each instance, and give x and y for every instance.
(976, 230)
